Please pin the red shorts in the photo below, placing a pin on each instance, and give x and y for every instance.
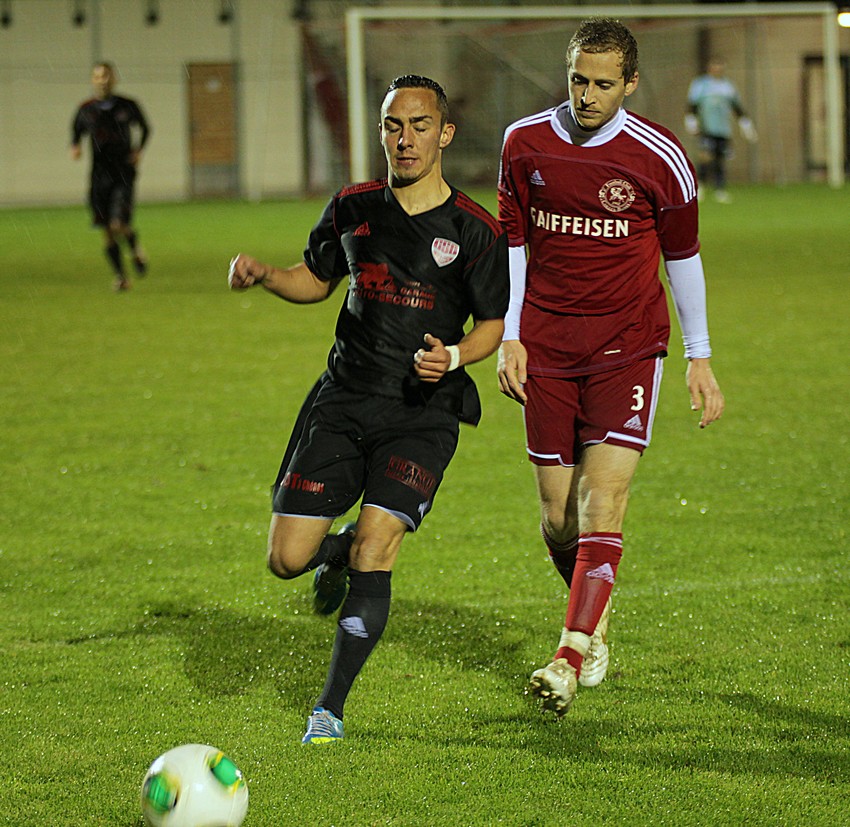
(562, 416)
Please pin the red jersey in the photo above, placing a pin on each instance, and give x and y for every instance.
(596, 218)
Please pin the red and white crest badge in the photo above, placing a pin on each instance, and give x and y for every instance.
(617, 195)
(444, 251)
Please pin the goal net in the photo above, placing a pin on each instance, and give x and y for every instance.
(501, 63)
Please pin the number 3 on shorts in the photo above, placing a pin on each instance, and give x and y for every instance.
(637, 395)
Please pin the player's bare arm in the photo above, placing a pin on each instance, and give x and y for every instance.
(434, 360)
(511, 369)
(296, 284)
(704, 391)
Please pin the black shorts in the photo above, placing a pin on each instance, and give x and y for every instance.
(715, 146)
(111, 194)
(346, 445)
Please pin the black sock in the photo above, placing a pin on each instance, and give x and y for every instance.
(362, 620)
(132, 241)
(562, 555)
(113, 253)
(334, 547)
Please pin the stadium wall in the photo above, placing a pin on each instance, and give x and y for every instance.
(45, 68)
(45, 63)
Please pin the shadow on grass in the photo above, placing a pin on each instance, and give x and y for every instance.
(805, 749)
(228, 653)
(756, 737)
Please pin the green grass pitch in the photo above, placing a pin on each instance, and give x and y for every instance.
(141, 431)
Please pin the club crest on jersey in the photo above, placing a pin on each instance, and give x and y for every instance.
(444, 251)
(617, 195)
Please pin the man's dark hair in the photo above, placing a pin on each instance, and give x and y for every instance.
(420, 82)
(602, 34)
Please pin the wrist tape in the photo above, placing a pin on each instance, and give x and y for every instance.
(454, 354)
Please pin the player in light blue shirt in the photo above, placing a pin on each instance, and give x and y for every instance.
(713, 108)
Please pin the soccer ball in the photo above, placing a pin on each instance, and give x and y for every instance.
(194, 786)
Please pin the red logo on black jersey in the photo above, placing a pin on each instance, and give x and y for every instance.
(617, 195)
(363, 229)
(374, 283)
(375, 278)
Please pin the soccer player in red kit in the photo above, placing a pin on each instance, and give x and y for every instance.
(591, 197)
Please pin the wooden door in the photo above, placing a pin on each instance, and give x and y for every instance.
(213, 146)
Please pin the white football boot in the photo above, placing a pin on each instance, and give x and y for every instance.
(595, 663)
(555, 685)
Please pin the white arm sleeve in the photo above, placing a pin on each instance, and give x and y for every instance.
(687, 284)
(516, 265)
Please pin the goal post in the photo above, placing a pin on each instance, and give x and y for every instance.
(359, 19)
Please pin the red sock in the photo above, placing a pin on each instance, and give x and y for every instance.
(573, 656)
(596, 567)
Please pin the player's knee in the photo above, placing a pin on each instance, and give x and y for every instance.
(559, 517)
(560, 527)
(279, 563)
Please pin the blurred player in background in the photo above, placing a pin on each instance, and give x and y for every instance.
(418, 258)
(713, 106)
(591, 196)
(110, 121)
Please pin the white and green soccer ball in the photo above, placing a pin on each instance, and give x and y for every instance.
(194, 786)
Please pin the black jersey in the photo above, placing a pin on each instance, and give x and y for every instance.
(109, 122)
(408, 275)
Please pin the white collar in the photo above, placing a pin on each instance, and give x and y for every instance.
(565, 125)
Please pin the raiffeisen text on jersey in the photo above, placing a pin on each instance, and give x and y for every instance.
(580, 225)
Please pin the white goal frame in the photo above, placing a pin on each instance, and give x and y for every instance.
(355, 17)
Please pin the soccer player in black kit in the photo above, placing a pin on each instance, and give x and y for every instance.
(110, 121)
(419, 258)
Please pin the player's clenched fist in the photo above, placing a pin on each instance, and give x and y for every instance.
(431, 365)
(245, 272)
